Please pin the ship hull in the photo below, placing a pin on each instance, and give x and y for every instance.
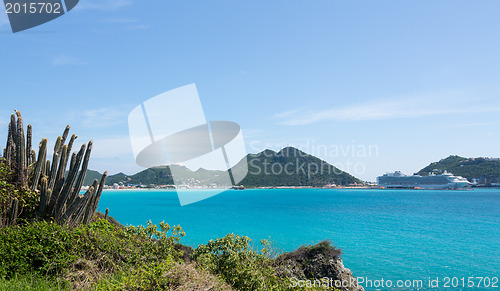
(438, 182)
(450, 186)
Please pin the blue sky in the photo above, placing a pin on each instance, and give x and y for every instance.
(412, 81)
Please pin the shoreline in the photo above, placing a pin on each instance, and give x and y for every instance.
(249, 188)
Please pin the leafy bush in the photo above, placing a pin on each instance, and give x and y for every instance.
(236, 262)
(103, 256)
(305, 254)
(43, 247)
(145, 276)
(9, 190)
(84, 253)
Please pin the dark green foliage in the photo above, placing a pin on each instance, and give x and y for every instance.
(291, 167)
(14, 200)
(108, 256)
(288, 167)
(313, 262)
(42, 247)
(236, 262)
(92, 175)
(305, 254)
(48, 249)
(157, 176)
(485, 171)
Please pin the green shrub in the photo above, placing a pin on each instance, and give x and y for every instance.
(145, 276)
(85, 252)
(43, 255)
(305, 254)
(43, 247)
(9, 189)
(236, 262)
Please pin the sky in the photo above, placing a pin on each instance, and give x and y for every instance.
(369, 86)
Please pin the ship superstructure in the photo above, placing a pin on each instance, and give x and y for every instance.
(398, 180)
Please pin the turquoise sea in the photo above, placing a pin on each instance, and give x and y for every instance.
(384, 234)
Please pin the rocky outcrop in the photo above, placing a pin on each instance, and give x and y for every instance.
(317, 265)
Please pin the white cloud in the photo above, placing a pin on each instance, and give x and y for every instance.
(139, 27)
(415, 106)
(101, 118)
(120, 20)
(103, 4)
(473, 124)
(64, 60)
(288, 113)
(118, 146)
(127, 23)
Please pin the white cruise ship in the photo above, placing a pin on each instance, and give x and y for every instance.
(399, 180)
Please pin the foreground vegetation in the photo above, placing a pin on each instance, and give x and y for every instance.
(43, 255)
(98, 256)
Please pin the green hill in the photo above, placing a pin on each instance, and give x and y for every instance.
(291, 167)
(117, 178)
(91, 176)
(157, 176)
(484, 170)
(288, 167)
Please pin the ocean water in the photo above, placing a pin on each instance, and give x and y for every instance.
(392, 235)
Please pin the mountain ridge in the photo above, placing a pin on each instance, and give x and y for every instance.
(287, 167)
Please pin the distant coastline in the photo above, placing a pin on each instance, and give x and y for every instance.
(298, 172)
(249, 188)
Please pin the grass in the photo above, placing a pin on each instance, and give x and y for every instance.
(30, 282)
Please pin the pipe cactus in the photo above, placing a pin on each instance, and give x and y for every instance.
(28, 145)
(59, 194)
(40, 163)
